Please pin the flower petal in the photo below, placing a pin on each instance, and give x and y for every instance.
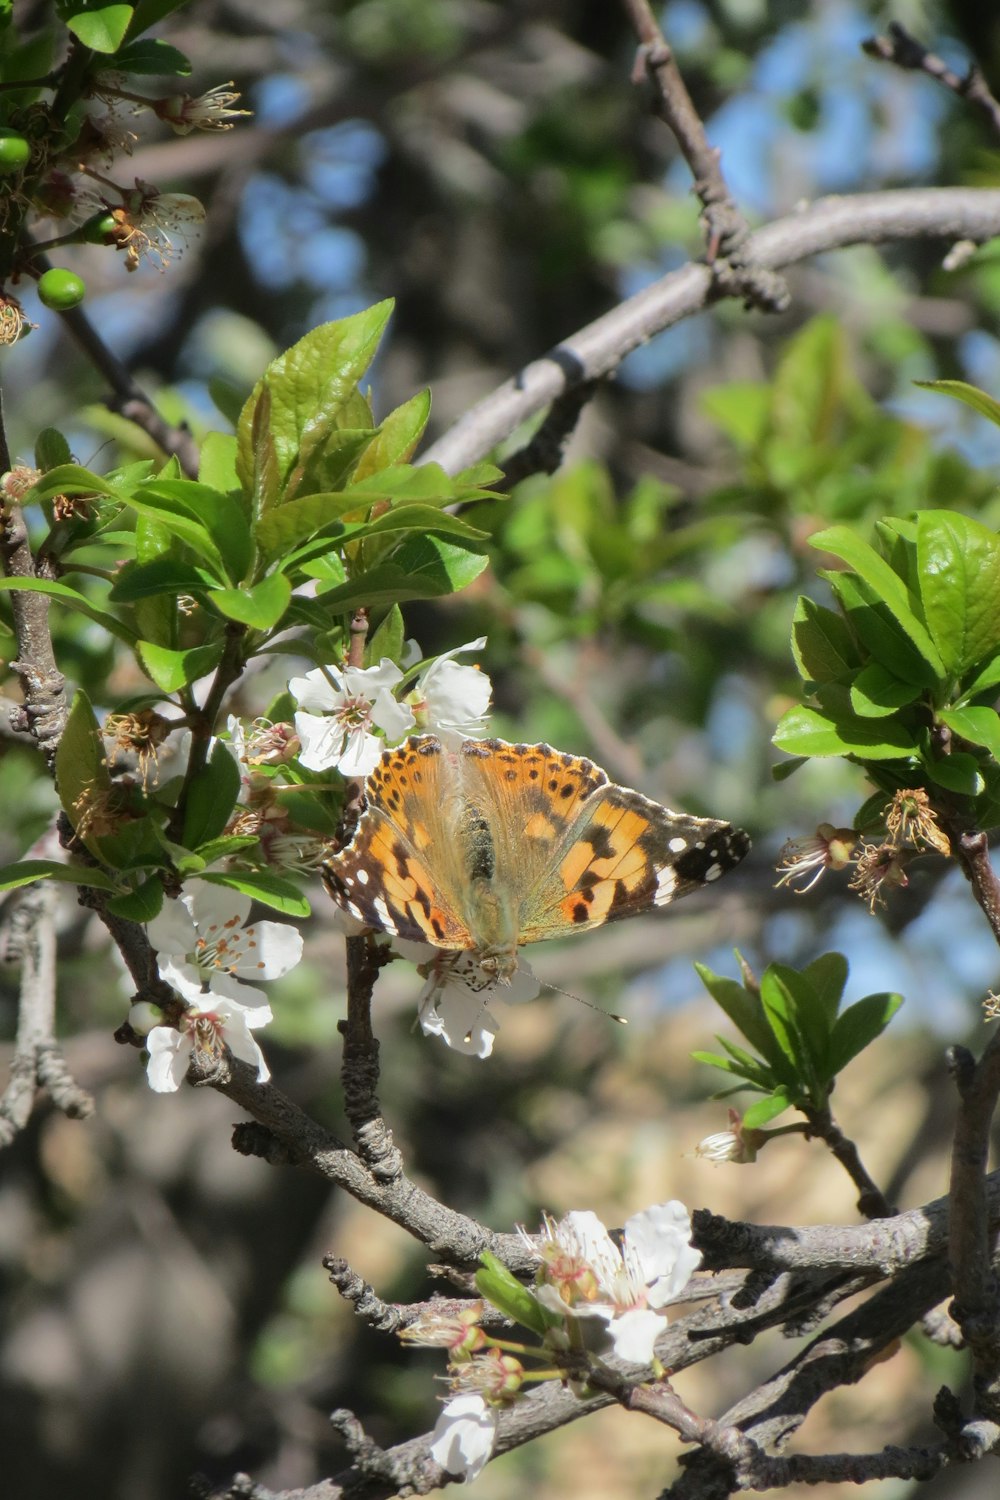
(464, 1435)
(634, 1334)
(267, 950)
(169, 1055)
(184, 978)
(314, 692)
(322, 741)
(216, 909)
(658, 1250)
(359, 756)
(394, 717)
(458, 1017)
(173, 930)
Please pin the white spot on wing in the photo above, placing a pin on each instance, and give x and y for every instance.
(666, 884)
(713, 872)
(677, 846)
(382, 912)
(362, 877)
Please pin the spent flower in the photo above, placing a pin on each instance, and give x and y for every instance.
(207, 1028)
(808, 859)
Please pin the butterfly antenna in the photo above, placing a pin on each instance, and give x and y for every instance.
(609, 1015)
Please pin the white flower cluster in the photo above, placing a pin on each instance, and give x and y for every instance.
(597, 1299)
(339, 708)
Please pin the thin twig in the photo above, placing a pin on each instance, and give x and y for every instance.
(976, 1307)
(727, 233)
(872, 1201)
(128, 397)
(904, 51)
(38, 1062)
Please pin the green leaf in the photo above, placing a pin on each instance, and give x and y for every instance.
(888, 587)
(969, 395)
(222, 848)
(822, 644)
(387, 639)
(988, 677)
(27, 871)
(211, 798)
(743, 1009)
(172, 670)
(799, 1022)
(398, 435)
(980, 726)
(215, 512)
(308, 386)
(142, 904)
(959, 570)
(217, 465)
(281, 528)
(877, 631)
(103, 30)
(149, 12)
(81, 768)
(957, 772)
(806, 731)
(876, 692)
(768, 1109)
(859, 1025)
(261, 606)
(164, 576)
(270, 890)
(51, 449)
(73, 600)
(420, 568)
(502, 1288)
(827, 977)
(154, 57)
(420, 518)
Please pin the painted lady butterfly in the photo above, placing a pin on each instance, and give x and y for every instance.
(482, 848)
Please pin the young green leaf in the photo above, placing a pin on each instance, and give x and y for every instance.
(260, 606)
(102, 29)
(806, 731)
(876, 692)
(27, 871)
(81, 767)
(211, 798)
(423, 567)
(270, 890)
(969, 395)
(765, 1110)
(172, 670)
(397, 437)
(886, 585)
(142, 904)
(822, 644)
(741, 1006)
(980, 726)
(827, 978)
(859, 1025)
(959, 570)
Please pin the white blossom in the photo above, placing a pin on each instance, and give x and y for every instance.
(454, 1003)
(206, 1027)
(337, 709)
(204, 947)
(585, 1275)
(464, 1435)
(453, 701)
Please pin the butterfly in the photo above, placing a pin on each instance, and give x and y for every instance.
(481, 848)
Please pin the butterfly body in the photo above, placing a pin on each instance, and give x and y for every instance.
(482, 848)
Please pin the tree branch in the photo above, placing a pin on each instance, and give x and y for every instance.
(976, 1307)
(597, 349)
(904, 51)
(38, 1062)
(734, 271)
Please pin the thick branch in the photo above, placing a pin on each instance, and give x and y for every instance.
(594, 351)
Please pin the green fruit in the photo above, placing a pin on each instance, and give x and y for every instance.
(61, 289)
(98, 228)
(15, 152)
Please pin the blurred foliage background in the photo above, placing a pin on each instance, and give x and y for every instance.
(490, 166)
